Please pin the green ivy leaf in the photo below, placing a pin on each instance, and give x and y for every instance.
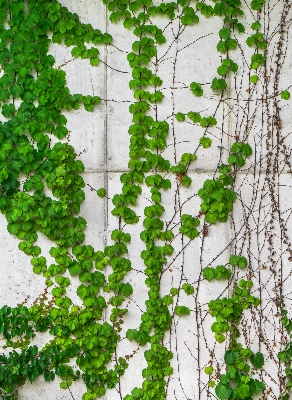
(224, 33)
(208, 370)
(189, 289)
(180, 117)
(254, 79)
(223, 391)
(231, 356)
(222, 46)
(208, 273)
(243, 390)
(205, 142)
(218, 84)
(181, 310)
(258, 386)
(257, 360)
(101, 192)
(196, 88)
(186, 181)
(256, 26)
(174, 291)
(285, 95)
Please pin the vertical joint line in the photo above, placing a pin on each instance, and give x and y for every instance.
(105, 150)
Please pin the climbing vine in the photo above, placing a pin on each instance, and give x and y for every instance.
(42, 188)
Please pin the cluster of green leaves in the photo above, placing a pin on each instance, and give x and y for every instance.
(237, 383)
(197, 118)
(217, 201)
(228, 311)
(227, 65)
(257, 60)
(217, 198)
(148, 138)
(230, 10)
(182, 167)
(196, 88)
(25, 149)
(220, 272)
(96, 341)
(238, 152)
(205, 9)
(226, 42)
(189, 226)
(238, 261)
(21, 323)
(157, 319)
(257, 39)
(257, 4)
(286, 354)
(31, 363)
(189, 16)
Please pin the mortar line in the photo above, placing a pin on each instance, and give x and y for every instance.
(105, 139)
(105, 153)
(229, 100)
(197, 171)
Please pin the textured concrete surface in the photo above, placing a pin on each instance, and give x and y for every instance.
(263, 186)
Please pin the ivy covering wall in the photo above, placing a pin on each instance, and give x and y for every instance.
(159, 231)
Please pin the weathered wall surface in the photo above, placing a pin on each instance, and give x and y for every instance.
(259, 227)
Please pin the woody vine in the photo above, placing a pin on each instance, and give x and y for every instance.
(33, 97)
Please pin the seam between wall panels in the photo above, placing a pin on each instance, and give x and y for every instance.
(105, 153)
(230, 140)
(105, 140)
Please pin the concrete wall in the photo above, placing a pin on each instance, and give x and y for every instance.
(255, 229)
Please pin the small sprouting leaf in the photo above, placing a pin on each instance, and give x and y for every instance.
(242, 262)
(167, 300)
(180, 117)
(257, 4)
(101, 192)
(208, 370)
(254, 79)
(189, 289)
(174, 291)
(181, 310)
(186, 158)
(208, 273)
(285, 95)
(233, 260)
(94, 61)
(194, 116)
(222, 70)
(205, 142)
(196, 89)
(186, 181)
(256, 26)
